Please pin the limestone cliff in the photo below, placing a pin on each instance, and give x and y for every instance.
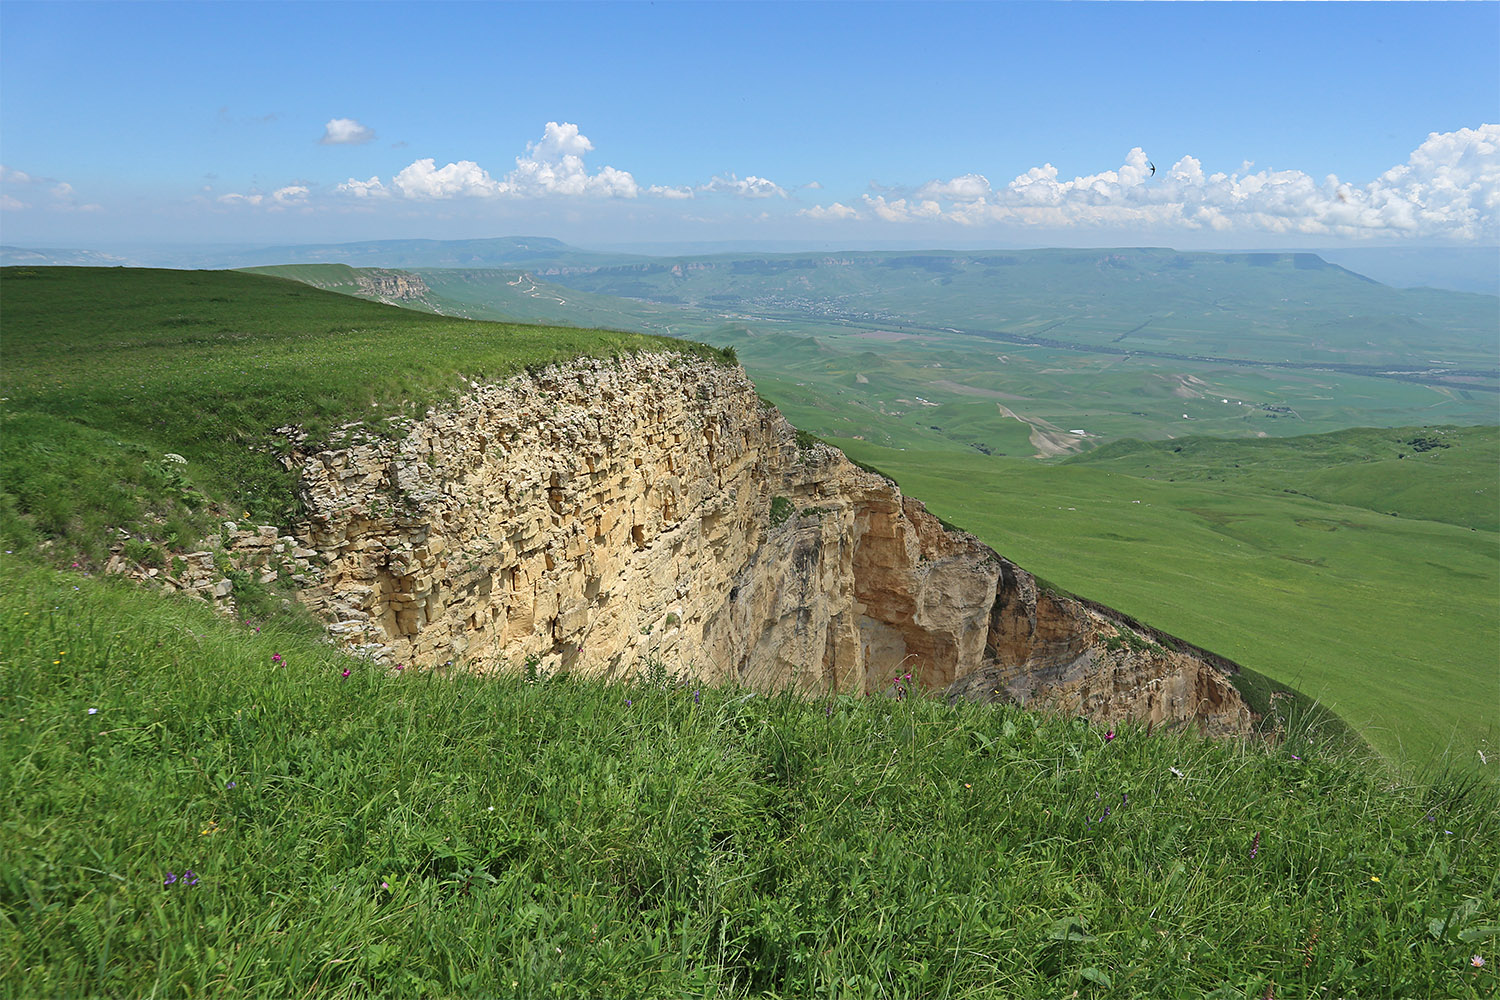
(604, 515)
(391, 287)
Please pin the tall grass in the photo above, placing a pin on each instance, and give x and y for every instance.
(354, 831)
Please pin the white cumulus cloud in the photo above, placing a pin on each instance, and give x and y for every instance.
(291, 196)
(551, 166)
(902, 210)
(1449, 188)
(371, 188)
(744, 187)
(969, 187)
(424, 179)
(554, 166)
(677, 193)
(346, 132)
(834, 211)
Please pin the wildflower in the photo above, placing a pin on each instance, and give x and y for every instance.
(1477, 961)
(628, 702)
(171, 877)
(188, 878)
(1109, 735)
(385, 885)
(231, 785)
(1374, 878)
(1176, 772)
(697, 696)
(275, 657)
(346, 673)
(1255, 845)
(93, 711)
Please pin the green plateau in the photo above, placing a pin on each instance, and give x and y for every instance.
(200, 806)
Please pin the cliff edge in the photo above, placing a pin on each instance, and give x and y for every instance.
(603, 516)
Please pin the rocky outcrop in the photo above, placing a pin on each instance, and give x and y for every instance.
(390, 287)
(606, 516)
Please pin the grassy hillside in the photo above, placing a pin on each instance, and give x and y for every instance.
(1138, 343)
(199, 806)
(1446, 474)
(1283, 556)
(1296, 593)
(107, 370)
(202, 807)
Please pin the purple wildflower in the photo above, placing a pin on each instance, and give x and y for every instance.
(188, 878)
(171, 877)
(1109, 735)
(275, 657)
(346, 673)
(1255, 845)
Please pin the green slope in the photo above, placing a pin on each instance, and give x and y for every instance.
(353, 831)
(1390, 621)
(108, 369)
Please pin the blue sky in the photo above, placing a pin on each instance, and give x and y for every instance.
(1015, 123)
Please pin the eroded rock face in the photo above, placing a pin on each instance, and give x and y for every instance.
(391, 287)
(605, 515)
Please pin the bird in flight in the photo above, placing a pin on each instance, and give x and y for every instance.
(1152, 166)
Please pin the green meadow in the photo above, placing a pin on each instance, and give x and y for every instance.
(1361, 579)
(203, 806)
(196, 806)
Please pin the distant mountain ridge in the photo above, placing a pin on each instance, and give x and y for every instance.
(1467, 269)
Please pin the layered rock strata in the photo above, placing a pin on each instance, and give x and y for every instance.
(606, 516)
